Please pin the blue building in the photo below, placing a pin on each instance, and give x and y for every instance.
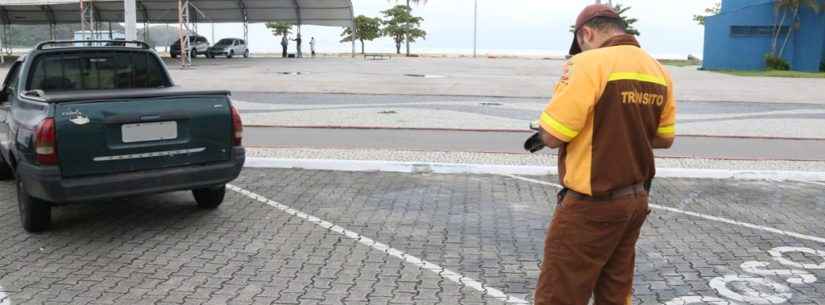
(739, 37)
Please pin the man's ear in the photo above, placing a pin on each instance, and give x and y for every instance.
(586, 34)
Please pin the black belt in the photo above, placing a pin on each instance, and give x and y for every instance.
(636, 189)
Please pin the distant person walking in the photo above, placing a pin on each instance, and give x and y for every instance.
(284, 45)
(312, 46)
(298, 40)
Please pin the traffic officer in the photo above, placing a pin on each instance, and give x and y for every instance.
(613, 105)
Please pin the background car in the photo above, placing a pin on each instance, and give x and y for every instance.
(228, 47)
(197, 45)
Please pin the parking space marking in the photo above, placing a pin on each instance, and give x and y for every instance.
(441, 271)
(703, 216)
(4, 298)
(558, 186)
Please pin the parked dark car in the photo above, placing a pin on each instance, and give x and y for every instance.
(198, 45)
(80, 124)
(228, 47)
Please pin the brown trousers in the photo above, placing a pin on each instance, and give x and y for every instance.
(590, 250)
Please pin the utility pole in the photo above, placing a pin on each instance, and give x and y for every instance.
(475, 31)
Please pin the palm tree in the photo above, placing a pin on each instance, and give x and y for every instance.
(408, 6)
(795, 6)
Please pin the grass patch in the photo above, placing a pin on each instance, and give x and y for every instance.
(775, 73)
(678, 62)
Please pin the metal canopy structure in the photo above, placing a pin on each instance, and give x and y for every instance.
(299, 12)
(186, 13)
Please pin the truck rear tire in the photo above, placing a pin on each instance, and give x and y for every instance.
(35, 214)
(209, 198)
(5, 169)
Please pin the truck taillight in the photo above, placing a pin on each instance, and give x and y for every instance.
(237, 127)
(45, 143)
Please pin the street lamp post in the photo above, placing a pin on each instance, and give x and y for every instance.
(475, 31)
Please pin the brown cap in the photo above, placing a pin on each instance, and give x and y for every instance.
(590, 12)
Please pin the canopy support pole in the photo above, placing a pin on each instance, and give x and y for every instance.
(2, 45)
(4, 15)
(50, 16)
(130, 16)
(245, 16)
(183, 33)
(146, 21)
(87, 18)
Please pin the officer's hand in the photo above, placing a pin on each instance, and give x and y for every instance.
(534, 143)
(534, 125)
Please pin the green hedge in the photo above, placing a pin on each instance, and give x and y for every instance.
(774, 62)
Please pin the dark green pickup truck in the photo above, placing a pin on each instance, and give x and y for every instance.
(80, 124)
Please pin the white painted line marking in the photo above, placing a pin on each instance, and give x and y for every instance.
(4, 298)
(534, 181)
(441, 271)
(706, 217)
(742, 224)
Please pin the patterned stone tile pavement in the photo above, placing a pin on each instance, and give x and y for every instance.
(490, 229)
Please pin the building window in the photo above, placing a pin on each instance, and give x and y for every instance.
(755, 31)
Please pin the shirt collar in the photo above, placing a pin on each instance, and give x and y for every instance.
(621, 40)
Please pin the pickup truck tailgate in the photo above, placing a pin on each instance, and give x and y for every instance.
(135, 134)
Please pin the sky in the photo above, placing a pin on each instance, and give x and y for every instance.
(528, 27)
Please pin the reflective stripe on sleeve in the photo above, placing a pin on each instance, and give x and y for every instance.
(558, 126)
(667, 130)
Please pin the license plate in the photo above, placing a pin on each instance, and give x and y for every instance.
(146, 132)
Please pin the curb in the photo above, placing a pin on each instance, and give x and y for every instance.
(523, 170)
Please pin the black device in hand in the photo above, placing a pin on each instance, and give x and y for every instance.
(534, 142)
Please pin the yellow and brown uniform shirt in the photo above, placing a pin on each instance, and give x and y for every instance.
(608, 107)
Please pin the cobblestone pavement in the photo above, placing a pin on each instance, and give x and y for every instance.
(163, 250)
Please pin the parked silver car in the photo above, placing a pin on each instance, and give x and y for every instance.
(197, 45)
(228, 47)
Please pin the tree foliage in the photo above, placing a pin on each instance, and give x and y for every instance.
(628, 21)
(279, 28)
(711, 11)
(401, 25)
(366, 29)
(793, 7)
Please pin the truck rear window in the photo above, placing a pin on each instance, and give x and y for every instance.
(96, 71)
